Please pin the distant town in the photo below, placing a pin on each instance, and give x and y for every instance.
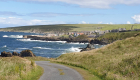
(91, 34)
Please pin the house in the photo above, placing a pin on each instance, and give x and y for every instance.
(70, 33)
(92, 36)
(122, 29)
(107, 31)
(77, 34)
(86, 32)
(51, 34)
(114, 30)
(101, 32)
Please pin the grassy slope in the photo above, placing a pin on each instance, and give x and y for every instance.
(71, 27)
(110, 37)
(119, 60)
(17, 68)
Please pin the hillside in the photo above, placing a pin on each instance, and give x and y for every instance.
(70, 27)
(117, 61)
(111, 37)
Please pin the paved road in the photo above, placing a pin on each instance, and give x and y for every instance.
(54, 71)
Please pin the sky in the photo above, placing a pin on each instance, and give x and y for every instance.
(47, 12)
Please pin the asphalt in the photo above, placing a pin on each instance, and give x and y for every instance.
(54, 71)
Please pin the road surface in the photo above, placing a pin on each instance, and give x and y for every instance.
(54, 71)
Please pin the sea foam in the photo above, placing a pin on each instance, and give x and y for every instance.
(13, 36)
(41, 48)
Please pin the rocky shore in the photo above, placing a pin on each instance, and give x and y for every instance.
(45, 38)
(68, 40)
(24, 53)
(90, 46)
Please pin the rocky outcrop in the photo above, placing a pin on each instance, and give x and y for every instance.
(24, 53)
(45, 38)
(96, 41)
(89, 47)
(6, 54)
(27, 53)
(15, 54)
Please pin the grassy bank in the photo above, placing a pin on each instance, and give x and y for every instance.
(70, 27)
(17, 68)
(38, 58)
(117, 61)
(111, 37)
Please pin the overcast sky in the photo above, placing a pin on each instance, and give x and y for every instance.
(43, 12)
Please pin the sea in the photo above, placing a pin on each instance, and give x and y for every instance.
(14, 41)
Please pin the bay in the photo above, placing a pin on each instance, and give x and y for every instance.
(14, 41)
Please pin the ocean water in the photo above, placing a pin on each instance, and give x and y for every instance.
(14, 41)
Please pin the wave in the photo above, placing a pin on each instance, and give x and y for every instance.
(4, 46)
(31, 40)
(15, 50)
(39, 40)
(58, 41)
(72, 49)
(18, 49)
(24, 39)
(41, 48)
(78, 43)
(13, 36)
(22, 48)
(5, 36)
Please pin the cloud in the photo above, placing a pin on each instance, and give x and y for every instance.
(136, 18)
(50, 14)
(128, 22)
(20, 22)
(83, 22)
(7, 13)
(100, 22)
(87, 3)
(109, 23)
(43, 14)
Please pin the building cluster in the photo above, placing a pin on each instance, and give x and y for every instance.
(94, 33)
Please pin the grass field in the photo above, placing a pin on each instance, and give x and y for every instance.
(117, 61)
(17, 68)
(71, 27)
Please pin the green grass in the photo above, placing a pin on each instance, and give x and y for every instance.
(38, 58)
(84, 73)
(117, 61)
(33, 75)
(70, 27)
(111, 37)
(17, 68)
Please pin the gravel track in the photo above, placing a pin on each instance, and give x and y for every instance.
(54, 71)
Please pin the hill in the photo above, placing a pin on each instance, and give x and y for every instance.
(111, 37)
(70, 27)
(117, 61)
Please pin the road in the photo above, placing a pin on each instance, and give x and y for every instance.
(54, 71)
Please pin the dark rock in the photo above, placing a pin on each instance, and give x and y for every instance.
(15, 54)
(101, 42)
(86, 49)
(6, 54)
(69, 40)
(27, 53)
(90, 46)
